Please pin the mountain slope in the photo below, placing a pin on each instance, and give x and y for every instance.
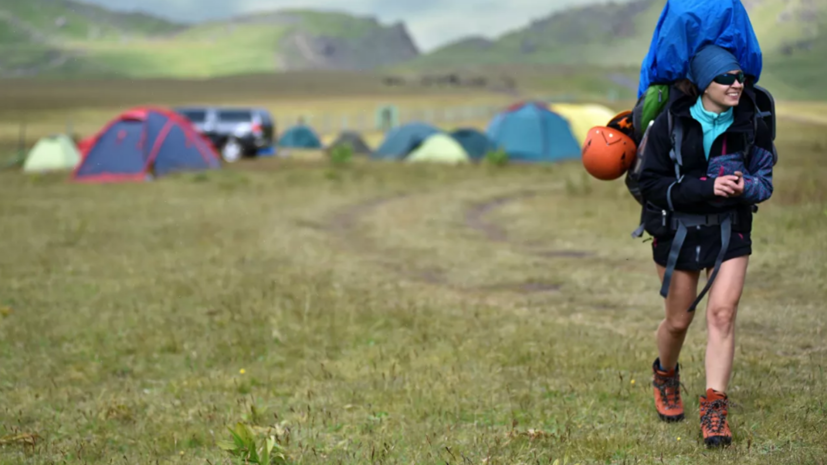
(791, 33)
(34, 34)
(606, 35)
(64, 37)
(304, 39)
(69, 19)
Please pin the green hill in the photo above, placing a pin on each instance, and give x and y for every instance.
(590, 47)
(792, 33)
(42, 20)
(620, 33)
(604, 35)
(35, 35)
(66, 37)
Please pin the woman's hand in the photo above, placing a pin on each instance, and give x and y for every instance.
(729, 185)
(739, 187)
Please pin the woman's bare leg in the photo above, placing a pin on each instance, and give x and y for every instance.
(672, 330)
(722, 306)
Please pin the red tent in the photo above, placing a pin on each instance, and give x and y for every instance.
(142, 142)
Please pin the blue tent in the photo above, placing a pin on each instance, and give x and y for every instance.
(685, 26)
(400, 141)
(532, 132)
(475, 143)
(143, 142)
(300, 137)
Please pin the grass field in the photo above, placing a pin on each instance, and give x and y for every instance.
(380, 313)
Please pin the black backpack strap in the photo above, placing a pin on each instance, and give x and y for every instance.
(749, 139)
(682, 222)
(674, 252)
(726, 232)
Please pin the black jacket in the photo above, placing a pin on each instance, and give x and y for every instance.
(695, 193)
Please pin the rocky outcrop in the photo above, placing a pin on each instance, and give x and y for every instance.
(378, 46)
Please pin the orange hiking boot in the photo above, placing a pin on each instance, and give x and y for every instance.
(714, 424)
(667, 388)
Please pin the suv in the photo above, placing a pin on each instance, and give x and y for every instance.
(235, 132)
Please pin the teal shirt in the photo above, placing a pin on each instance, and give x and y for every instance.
(713, 124)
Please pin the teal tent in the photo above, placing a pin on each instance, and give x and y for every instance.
(300, 137)
(475, 142)
(530, 132)
(402, 140)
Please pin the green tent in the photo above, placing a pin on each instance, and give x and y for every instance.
(439, 148)
(53, 153)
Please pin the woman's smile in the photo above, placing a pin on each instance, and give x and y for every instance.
(733, 96)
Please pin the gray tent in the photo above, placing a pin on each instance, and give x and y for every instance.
(354, 139)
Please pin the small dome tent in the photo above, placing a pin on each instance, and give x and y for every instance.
(141, 143)
(530, 132)
(439, 148)
(359, 146)
(53, 153)
(475, 142)
(300, 137)
(400, 141)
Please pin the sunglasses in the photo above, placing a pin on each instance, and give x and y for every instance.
(729, 79)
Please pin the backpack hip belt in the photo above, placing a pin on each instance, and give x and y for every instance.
(680, 223)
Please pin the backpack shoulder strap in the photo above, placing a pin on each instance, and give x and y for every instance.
(676, 135)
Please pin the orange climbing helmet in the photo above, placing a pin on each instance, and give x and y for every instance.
(608, 153)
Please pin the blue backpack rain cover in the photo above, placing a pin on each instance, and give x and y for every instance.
(687, 25)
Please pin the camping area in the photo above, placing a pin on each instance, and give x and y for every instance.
(360, 309)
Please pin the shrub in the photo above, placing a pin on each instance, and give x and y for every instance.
(496, 158)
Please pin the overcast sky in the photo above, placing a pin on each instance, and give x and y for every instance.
(431, 22)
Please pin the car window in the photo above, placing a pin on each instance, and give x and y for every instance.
(235, 116)
(196, 116)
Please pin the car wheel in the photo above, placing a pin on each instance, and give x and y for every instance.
(232, 151)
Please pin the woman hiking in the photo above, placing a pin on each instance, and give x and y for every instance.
(701, 218)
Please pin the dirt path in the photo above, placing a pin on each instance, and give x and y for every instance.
(475, 219)
(342, 224)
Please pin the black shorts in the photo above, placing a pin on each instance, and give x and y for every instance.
(701, 248)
